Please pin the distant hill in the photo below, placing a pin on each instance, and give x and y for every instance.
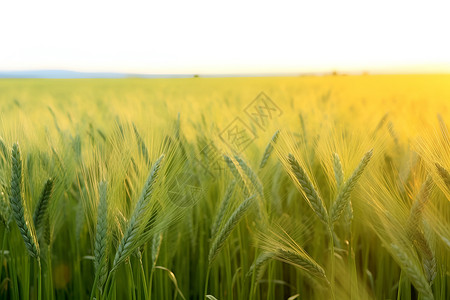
(64, 74)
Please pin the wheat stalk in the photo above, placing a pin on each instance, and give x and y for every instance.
(131, 237)
(17, 206)
(5, 211)
(415, 234)
(250, 175)
(413, 273)
(223, 208)
(313, 198)
(225, 232)
(79, 220)
(142, 148)
(428, 258)
(380, 123)
(343, 198)
(4, 151)
(445, 175)
(338, 171)
(304, 262)
(156, 247)
(258, 266)
(444, 129)
(269, 149)
(101, 237)
(393, 134)
(415, 215)
(40, 212)
(348, 214)
(236, 174)
(46, 230)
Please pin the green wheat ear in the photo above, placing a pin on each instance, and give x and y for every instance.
(314, 200)
(303, 262)
(445, 175)
(338, 171)
(5, 211)
(343, 198)
(414, 274)
(101, 237)
(236, 174)
(131, 237)
(142, 148)
(250, 175)
(258, 267)
(415, 233)
(225, 232)
(17, 205)
(156, 247)
(269, 149)
(40, 213)
(223, 208)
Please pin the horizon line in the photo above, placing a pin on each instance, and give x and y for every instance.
(73, 74)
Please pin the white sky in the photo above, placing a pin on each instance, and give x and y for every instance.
(225, 37)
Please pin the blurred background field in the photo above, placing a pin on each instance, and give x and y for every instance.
(409, 100)
(249, 229)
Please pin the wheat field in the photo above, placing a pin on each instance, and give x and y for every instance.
(312, 187)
